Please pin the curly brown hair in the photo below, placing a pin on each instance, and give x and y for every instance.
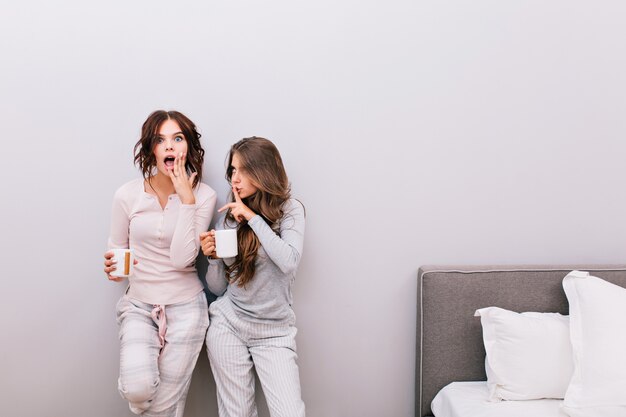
(261, 162)
(144, 148)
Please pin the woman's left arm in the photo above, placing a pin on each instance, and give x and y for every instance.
(283, 249)
(193, 219)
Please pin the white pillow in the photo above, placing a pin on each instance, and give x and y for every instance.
(598, 333)
(529, 355)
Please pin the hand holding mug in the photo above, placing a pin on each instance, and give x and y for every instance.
(110, 266)
(207, 242)
(218, 244)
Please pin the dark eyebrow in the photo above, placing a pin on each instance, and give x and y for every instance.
(174, 134)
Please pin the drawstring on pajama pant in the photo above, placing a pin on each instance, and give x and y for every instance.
(158, 315)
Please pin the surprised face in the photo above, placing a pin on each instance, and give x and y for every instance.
(169, 145)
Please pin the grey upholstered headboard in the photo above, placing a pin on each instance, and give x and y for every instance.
(449, 337)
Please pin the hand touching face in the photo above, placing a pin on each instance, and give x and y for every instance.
(183, 184)
(238, 209)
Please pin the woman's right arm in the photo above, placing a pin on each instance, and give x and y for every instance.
(118, 236)
(120, 222)
(215, 274)
(216, 277)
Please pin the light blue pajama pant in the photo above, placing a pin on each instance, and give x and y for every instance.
(155, 377)
(236, 345)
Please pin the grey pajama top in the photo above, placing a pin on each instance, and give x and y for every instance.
(267, 297)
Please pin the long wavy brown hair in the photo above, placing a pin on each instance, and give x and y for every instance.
(144, 148)
(262, 164)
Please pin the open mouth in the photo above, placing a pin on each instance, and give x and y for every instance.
(169, 162)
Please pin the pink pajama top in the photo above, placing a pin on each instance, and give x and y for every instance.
(165, 241)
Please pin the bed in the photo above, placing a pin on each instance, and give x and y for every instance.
(449, 344)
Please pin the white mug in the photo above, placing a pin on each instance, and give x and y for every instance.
(125, 259)
(226, 243)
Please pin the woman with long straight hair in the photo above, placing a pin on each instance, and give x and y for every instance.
(163, 315)
(252, 322)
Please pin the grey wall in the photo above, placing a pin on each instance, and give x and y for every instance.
(415, 132)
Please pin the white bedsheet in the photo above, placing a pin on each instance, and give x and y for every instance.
(470, 399)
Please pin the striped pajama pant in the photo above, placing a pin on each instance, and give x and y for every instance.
(155, 376)
(235, 346)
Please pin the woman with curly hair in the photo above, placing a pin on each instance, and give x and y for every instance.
(163, 315)
(252, 323)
